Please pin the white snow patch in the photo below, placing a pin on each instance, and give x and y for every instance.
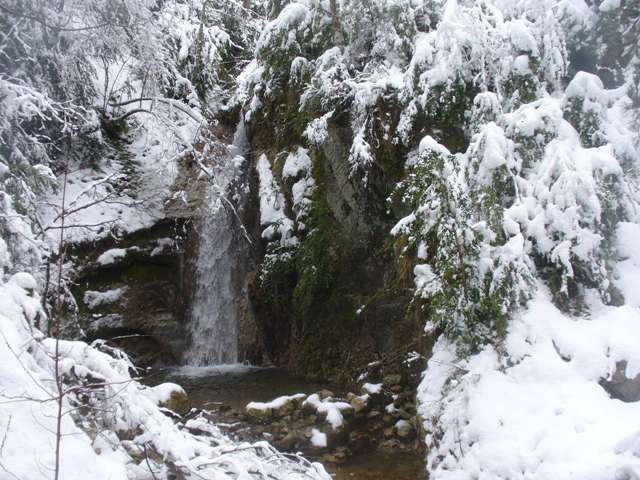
(331, 408)
(272, 202)
(24, 280)
(95, 299)
(112, 256)
(275, 403)
(318, 439)
(162, 393)
(372, 388)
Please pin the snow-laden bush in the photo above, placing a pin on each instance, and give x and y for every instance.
(539, 190)
(526, 198)
(469, 273)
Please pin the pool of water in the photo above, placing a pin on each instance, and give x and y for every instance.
(234, 385)
(237, 385)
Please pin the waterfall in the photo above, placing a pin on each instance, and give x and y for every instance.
(219, 276)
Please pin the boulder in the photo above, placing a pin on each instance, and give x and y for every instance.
(170, 396)
(621, 387)
(259, 414)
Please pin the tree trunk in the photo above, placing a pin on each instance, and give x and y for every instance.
(335, 22)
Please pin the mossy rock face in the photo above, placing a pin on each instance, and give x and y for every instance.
(146, 318)
(339, 301)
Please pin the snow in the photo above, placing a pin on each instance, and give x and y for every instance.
(428, 144)
(275, 403)
(112, 256)
(273, 218)
(24, 280)
(163, 244)
(627, 274)
(95, 299)
(291, 15)
(333, 409)
(318, 439)
(298, 166)
(521, 65)
(521, 37)
(427, 282)
(26, 424)
(360, 156)
(297, 163)
(530, 407)
(401, 424)
(316, 131)
(372, 388)
(162, 393)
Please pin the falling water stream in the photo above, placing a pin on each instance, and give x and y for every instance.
(215, 310)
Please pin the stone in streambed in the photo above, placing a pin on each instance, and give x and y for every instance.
(262, 412)
(404, 429)
(359, 404)
(392, 380)
(259, 415)
(172, 397)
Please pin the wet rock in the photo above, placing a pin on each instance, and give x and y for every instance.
(259, 415)
(620, 386)
(404, 429)
(292, 404)
(388, 419)
(404, 414)
(359, 440)
(392, 380)
(293, 441)
(403, 398)
(324, 393)
(358, 404)
(276, 409)
(391, 445)
(146, 317)
(336, 437)
(339, 455)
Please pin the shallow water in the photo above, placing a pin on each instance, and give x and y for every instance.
(237, 385)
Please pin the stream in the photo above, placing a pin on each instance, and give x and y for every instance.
(237, 385)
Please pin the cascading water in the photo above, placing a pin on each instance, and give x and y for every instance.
(219, 279)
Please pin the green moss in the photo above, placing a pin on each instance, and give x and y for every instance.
(587, 123)
(446, 106)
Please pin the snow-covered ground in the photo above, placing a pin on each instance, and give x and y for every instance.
(533, 407)
(109, 420)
